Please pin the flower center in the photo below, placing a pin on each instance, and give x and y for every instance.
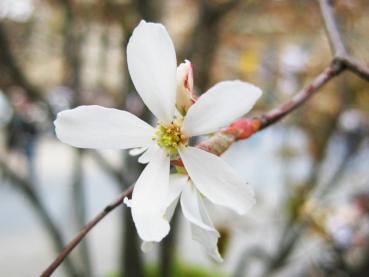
(170, 137)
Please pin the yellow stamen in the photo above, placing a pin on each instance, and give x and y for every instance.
(170, 137)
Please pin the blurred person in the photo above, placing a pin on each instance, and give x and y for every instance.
(22, 132)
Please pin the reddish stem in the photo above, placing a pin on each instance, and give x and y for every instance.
(278, 113)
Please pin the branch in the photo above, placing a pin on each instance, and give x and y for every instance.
(334, 35)
(336, 42)
(356, 67)
(84, 231)
(278, 113)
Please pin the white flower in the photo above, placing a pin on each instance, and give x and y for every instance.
(153, 68)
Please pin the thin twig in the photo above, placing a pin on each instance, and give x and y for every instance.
(357, 67)
(336, 42)
(334, 35)
(77, 239)
(276, 114)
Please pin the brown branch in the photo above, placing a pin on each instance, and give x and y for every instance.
(334, 35)
(336, 42)
(84, 231)
(356, 67)
(276, 114)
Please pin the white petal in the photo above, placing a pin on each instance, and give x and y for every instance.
(190, 207)
(148, 199)
(209, 239)
(149, 153)
(219, 106)
(152, 65)
(137, 151)
(202, 227)
(102, 128)
(217, 180)
(176, 184)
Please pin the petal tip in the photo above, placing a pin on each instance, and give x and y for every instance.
(57, 124)
(147, 246)
(250, 202)
(217, 257)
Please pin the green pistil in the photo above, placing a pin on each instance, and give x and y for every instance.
(170, 137)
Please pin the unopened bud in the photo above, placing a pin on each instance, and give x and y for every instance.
(185, 91)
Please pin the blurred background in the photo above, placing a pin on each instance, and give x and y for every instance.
(310, 171)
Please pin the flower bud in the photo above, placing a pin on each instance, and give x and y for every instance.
(185, 91)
